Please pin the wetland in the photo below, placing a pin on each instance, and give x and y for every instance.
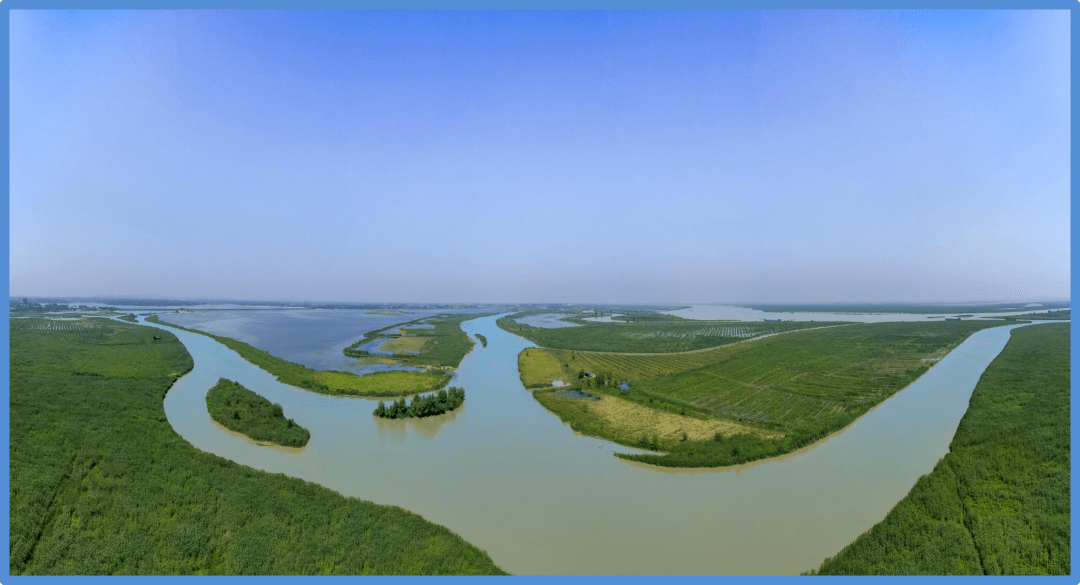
(501, 461)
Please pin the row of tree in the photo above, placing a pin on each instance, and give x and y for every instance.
(421, 406)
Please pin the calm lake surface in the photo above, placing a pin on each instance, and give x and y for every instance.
(512, 479)
(727, 312)
(314, 338)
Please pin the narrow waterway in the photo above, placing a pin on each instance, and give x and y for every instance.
(512, 479)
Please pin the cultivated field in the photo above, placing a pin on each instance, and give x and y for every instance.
(802, 385)
(649, 333)
(54, 324)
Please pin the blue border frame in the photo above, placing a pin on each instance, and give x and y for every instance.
(6, 5)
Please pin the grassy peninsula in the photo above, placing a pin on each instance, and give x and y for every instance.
(740, 402)
(436, 341)
(998, 502)
(100, 484)
(393, 383)
(239, 409)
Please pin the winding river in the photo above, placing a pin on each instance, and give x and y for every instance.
(512, 479)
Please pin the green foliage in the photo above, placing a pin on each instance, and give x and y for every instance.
(998, 502)
(130, 318)
(239, 409)
(654, 335)
(483, 340)
(918, 308)
(100, 484)
(804, 384)
(397, 383)
(448, 345)
(422, 406)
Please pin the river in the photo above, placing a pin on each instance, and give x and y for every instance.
(512, 479)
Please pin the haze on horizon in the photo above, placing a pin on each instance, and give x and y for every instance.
(582, 156)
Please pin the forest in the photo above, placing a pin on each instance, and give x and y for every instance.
(422, 406)
(101, 484)
(999, 502)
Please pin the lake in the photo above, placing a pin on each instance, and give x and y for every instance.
(512, 479)
(733, 313)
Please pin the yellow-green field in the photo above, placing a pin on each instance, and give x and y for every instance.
(405, 343)
(539, 367)
(793, 388)
(617, 418)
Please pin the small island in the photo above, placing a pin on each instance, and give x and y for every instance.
(422, 406)
(239, 409)
(483, 340)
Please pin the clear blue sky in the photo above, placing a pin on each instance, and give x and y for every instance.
(541, 156)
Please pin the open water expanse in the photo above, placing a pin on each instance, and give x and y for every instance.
(732, 313)
(314, 338)
(512, 479)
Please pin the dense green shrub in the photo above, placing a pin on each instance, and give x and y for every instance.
(239, 409)
(100, 484)
(422, 406)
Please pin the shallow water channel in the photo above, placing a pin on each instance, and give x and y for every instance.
(512, 479)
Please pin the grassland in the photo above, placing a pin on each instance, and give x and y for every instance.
(786, 391)
(243, 411)
(443, 346)
(615, 419)
(394, 383)
(405, 343)
(647, 332)
(483, 340)
(100, 484)
(999, 502)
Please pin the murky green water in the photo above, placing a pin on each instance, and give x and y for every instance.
(512, 479)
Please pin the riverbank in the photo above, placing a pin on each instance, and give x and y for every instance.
(101, 484)
(777, 394)
(377, 384)
(998, 502)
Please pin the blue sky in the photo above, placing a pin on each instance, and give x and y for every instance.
(585, 156)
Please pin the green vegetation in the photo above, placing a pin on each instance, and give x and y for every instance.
(902, 307)
(1064, 314)
(130, 318)
(787, 390)
(394, 383)
(483, 340)
(100, 484)
(998, 502)
(422, 406)
(239, 409)
(649, 332)
(443, 346)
